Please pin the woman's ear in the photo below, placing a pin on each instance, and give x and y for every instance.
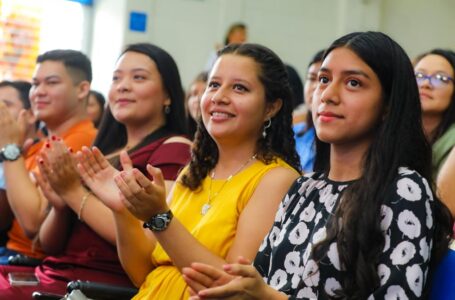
(273, 108)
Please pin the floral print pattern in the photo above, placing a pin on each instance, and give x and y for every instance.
(285, 257)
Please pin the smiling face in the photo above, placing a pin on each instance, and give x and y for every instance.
(347, 104)
(435, 100)
(233, 106)
(54, 96)
(137, 96)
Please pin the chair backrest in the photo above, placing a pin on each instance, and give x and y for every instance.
(443, 282)
(46, 296)
(101, 291)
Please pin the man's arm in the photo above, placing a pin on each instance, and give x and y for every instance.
(24, 197)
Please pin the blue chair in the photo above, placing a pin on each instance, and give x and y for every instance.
(443, 285)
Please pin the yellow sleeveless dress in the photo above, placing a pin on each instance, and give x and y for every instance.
(215, 230)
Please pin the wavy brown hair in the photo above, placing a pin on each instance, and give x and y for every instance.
(279, 141)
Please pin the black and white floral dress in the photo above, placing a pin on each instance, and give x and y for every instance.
(285, 257)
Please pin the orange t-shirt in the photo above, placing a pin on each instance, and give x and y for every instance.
(81, 134)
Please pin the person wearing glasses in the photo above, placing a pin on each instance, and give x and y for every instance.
(434, 71)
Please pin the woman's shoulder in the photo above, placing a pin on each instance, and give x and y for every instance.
(279, 164)
(177, 139)
(167, 142)
(276, 169)
(410, 185)
(410, 174)
(308, 183)
(172, 149)
(407, 172)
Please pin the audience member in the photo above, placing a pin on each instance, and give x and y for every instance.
(296, 86)
(304, 131)
(243, 162)
(14, 96)
(366, 225)
(237, 33)
(193, 102)
(146, 118)
(297, 91)
(95, 107)
(60, 87)
(435, 71)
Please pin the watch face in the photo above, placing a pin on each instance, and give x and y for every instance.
(159, 223)
(11, 152)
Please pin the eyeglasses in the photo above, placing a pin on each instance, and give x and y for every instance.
(436, 80)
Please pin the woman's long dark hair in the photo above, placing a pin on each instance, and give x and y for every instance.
(279, 141)
(112, 134)
(448, 118)
(399, 142)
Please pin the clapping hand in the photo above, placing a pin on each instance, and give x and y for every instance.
(58, 166)
(202, 276)
(238, 281)
(143, 198)
(98, 174)
(54, 199)
(12, 131)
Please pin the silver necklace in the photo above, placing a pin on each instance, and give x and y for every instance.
(205, 208)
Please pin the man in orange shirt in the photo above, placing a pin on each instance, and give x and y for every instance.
(59, 93)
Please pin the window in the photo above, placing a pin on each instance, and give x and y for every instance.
(30, 27)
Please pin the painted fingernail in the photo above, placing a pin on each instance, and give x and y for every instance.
(70, 149)
(41, 161)
(54, 138)
(48, 145)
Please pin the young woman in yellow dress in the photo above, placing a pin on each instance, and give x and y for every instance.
(223, 203)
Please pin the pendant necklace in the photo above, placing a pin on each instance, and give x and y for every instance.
(205, 208)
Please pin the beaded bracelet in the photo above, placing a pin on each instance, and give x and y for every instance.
(83, 201)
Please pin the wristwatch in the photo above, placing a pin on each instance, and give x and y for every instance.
(10, 152)
(159, 222)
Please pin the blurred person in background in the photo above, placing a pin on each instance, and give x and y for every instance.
(193, 102)
(237, 33)
(95, 107)
(304, 131)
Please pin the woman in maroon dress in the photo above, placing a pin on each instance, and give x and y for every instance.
(146, 118)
